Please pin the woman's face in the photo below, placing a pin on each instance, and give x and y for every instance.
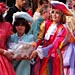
(20, 29)
(56, 15)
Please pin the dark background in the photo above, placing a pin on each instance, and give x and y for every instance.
(12, 2)
(30, 3)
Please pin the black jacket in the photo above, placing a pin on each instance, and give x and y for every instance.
(11, 11)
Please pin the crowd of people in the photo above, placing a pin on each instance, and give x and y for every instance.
(49, 32)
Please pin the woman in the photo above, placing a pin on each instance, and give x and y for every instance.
(55, 35)
(5, 56)
(21, 28)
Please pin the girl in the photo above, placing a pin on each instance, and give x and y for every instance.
(21, 28)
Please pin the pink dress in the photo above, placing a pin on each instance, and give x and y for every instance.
(5, 65)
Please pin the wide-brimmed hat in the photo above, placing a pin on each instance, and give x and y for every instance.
(62, 7)
(24, 15)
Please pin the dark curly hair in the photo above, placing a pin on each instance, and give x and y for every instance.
(21, 21)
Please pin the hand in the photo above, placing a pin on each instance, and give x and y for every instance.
(8, 54)
(26, 58)
(33, 54)
(33, 44)
(18, 57)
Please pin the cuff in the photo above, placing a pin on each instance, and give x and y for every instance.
(40, 52)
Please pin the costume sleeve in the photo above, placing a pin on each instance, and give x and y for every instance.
(43, 52)
(56, 43)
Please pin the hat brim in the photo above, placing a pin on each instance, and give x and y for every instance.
(24, 15)
(62, 7)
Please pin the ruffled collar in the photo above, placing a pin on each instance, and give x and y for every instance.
(51, 30)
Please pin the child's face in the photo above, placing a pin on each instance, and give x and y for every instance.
(20, 29)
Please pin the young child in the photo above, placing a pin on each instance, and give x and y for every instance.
(21, 28)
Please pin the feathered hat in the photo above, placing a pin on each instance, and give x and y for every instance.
(62, 7)
(24, 15)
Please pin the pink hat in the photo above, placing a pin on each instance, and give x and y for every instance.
(62, 7)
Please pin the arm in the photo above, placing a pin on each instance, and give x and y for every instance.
(43, 52)
(56, 43)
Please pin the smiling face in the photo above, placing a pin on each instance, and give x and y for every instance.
(56, 15)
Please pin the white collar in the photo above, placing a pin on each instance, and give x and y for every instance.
(51, 30)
